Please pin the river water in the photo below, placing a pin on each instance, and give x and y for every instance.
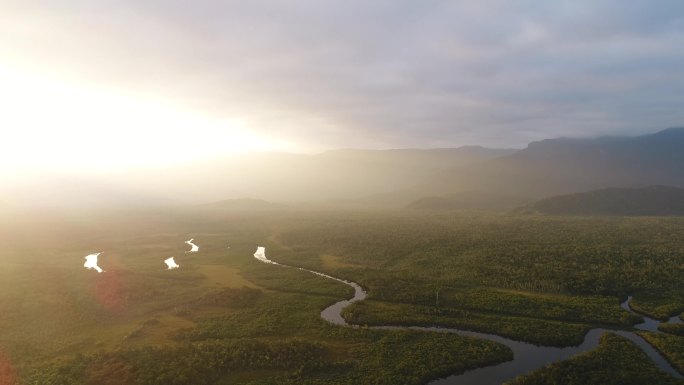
(527, 357)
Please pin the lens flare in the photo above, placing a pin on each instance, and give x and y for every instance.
(8, 375)
(110, 291)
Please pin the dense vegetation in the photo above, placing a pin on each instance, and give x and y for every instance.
(672, 328)
(672, 347)
(543, 280)
(660, 305)
(542, 332)
(652, 200)
(594, 309)
(202, 363)
(408, 258)
(221, 318)
(616, 361)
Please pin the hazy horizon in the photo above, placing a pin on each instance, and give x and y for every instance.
(125, 102)
(393, 178)
(122, 84)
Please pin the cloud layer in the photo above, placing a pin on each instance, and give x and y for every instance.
(377, 74)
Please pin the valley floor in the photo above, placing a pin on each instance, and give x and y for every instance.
(223, 317)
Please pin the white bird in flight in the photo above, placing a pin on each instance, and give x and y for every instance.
(91, 262)
(171, 263)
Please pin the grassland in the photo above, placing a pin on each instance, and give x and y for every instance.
(223, 317)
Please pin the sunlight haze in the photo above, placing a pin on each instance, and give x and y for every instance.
(131, 83)
(175, 101)
(67, 126)
(463, 192)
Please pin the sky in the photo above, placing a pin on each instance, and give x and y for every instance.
(127, 83)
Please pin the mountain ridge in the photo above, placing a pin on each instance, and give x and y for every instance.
(655, 200)
(558, 166)
(391, 178)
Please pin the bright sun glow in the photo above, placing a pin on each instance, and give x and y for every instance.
(47, 124)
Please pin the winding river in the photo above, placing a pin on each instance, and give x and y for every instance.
(527, 357)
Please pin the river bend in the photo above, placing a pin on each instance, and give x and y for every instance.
(527, 357)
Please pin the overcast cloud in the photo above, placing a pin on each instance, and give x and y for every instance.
(375, 74)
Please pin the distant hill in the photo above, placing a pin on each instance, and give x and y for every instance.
(437, 178)
(75, 192)
(653, 200)
(468, 200)
(561, 166)
(244, 204)
(281, 177)
(292, 178)
(419, 159)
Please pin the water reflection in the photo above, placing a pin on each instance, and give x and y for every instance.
(260, 254)
(193, 247)
(527, 357)
(649, 324)
(171, 263)
(91, 262)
